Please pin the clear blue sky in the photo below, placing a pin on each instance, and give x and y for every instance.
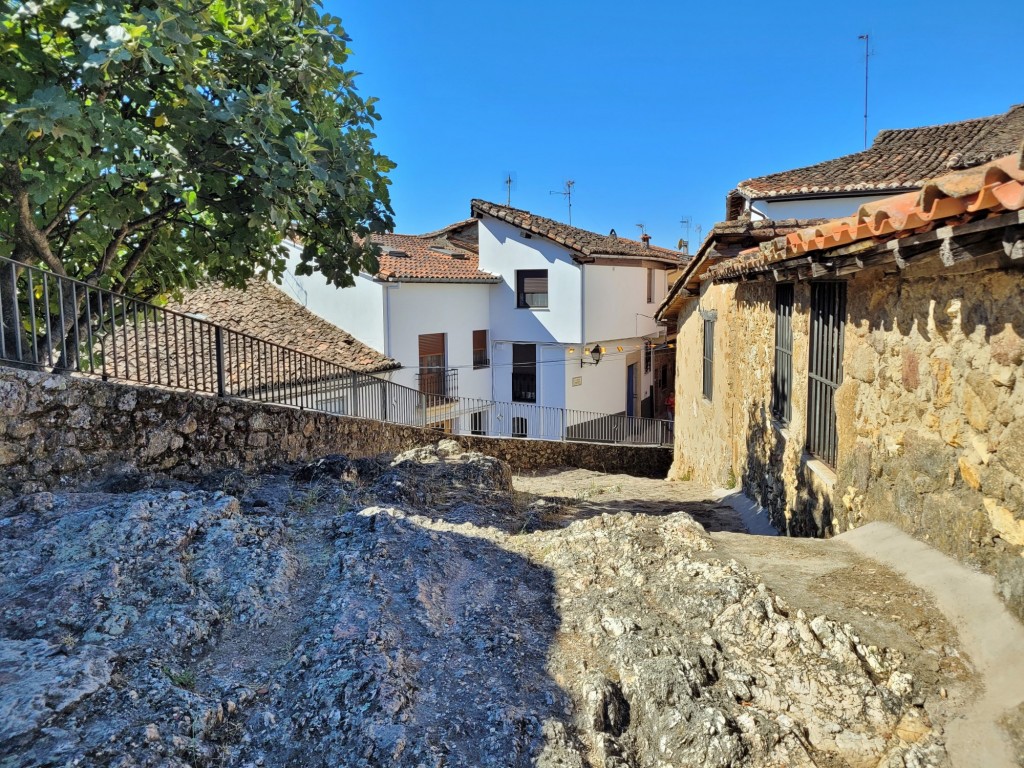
(655, 109)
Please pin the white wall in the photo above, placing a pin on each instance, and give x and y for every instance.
(811, 208)
(503, 250)
(455, 309)
(615, 302)
(358, 309)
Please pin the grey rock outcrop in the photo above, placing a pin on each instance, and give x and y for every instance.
(406, 612)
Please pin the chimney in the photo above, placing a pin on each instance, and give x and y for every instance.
(646, 239)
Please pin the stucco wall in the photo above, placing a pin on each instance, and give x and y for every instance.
(455, 309)
(930, 416)
(615, 301)
(60, 430)
(359, 309)
(503, 250)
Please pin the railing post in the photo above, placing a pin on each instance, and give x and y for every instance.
(218, 343)
(561, 426)
(354, 400)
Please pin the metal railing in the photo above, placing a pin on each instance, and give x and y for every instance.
(58, 324)
(442, 382)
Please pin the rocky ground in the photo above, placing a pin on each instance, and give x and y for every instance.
(420, 611)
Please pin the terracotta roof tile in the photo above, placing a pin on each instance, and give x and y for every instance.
(582, 241)
(265, 311)
(447, 255)
(952, 199)
(900, 159)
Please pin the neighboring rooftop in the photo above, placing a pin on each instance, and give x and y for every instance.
(975, 199)
(265, 311)
(726, 240)
(899, 159)
(447, 255)
(584, 242)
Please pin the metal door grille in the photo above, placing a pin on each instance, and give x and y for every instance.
(825, 367)
(709, 356)
(782, 382)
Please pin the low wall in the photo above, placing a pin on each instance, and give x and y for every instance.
(60, 430)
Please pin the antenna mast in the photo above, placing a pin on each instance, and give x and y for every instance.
(867, 55)
(509, 182)
(567, 194)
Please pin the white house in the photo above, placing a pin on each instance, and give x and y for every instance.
(564, 292)
(510, 307)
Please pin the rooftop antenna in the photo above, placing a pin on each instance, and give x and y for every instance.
(510, 184)
(684, 242)
(567, 194)
(642, 228)
(867, 55)
(699, 230)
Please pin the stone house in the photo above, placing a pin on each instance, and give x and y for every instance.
(868, 367)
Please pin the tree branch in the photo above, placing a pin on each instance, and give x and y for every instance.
(66, 208)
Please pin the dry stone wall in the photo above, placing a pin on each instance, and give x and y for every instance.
(930, 416)
(59, 430)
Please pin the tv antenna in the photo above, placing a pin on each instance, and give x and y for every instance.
(684, 242)
(510, 183)
(642, 228)
(567, 194)
(867, 56)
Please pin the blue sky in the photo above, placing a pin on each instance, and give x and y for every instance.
(655, 109)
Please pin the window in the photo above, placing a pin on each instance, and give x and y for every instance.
(782, 380)
(825, 367)
(478, 423)
(648, 354)
(531, 288)
(524, 373)
(434, 377)
(650, 286)
(518, 426)
(480, 357)
(709, 355)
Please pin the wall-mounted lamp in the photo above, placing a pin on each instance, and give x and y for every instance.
(595, 354)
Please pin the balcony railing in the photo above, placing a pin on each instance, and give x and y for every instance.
(57, 324)
(438, 382)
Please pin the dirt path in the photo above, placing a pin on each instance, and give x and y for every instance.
(960, 643)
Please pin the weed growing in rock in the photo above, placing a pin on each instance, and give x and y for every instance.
(184, 678)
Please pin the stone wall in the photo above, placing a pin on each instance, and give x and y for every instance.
(61, 430)
(930, 417)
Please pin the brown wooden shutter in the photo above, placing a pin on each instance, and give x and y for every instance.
(431, 345)
(479, 341)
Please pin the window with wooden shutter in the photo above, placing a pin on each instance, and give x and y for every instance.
(532, 288)
(650, 286)
(481, 359)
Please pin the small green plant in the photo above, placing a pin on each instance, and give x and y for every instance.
(306, 502)
(184, 678)
(68, 641)
(731, 479)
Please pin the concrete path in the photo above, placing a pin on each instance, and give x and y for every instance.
(989, 634)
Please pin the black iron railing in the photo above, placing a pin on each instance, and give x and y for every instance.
(58, 324)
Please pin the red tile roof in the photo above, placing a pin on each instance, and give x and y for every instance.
(447, 255)
(899, 159)
(265, 311)
(582, 241)
(952, 200)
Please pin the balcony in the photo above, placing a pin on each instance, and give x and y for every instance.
(437, 382)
